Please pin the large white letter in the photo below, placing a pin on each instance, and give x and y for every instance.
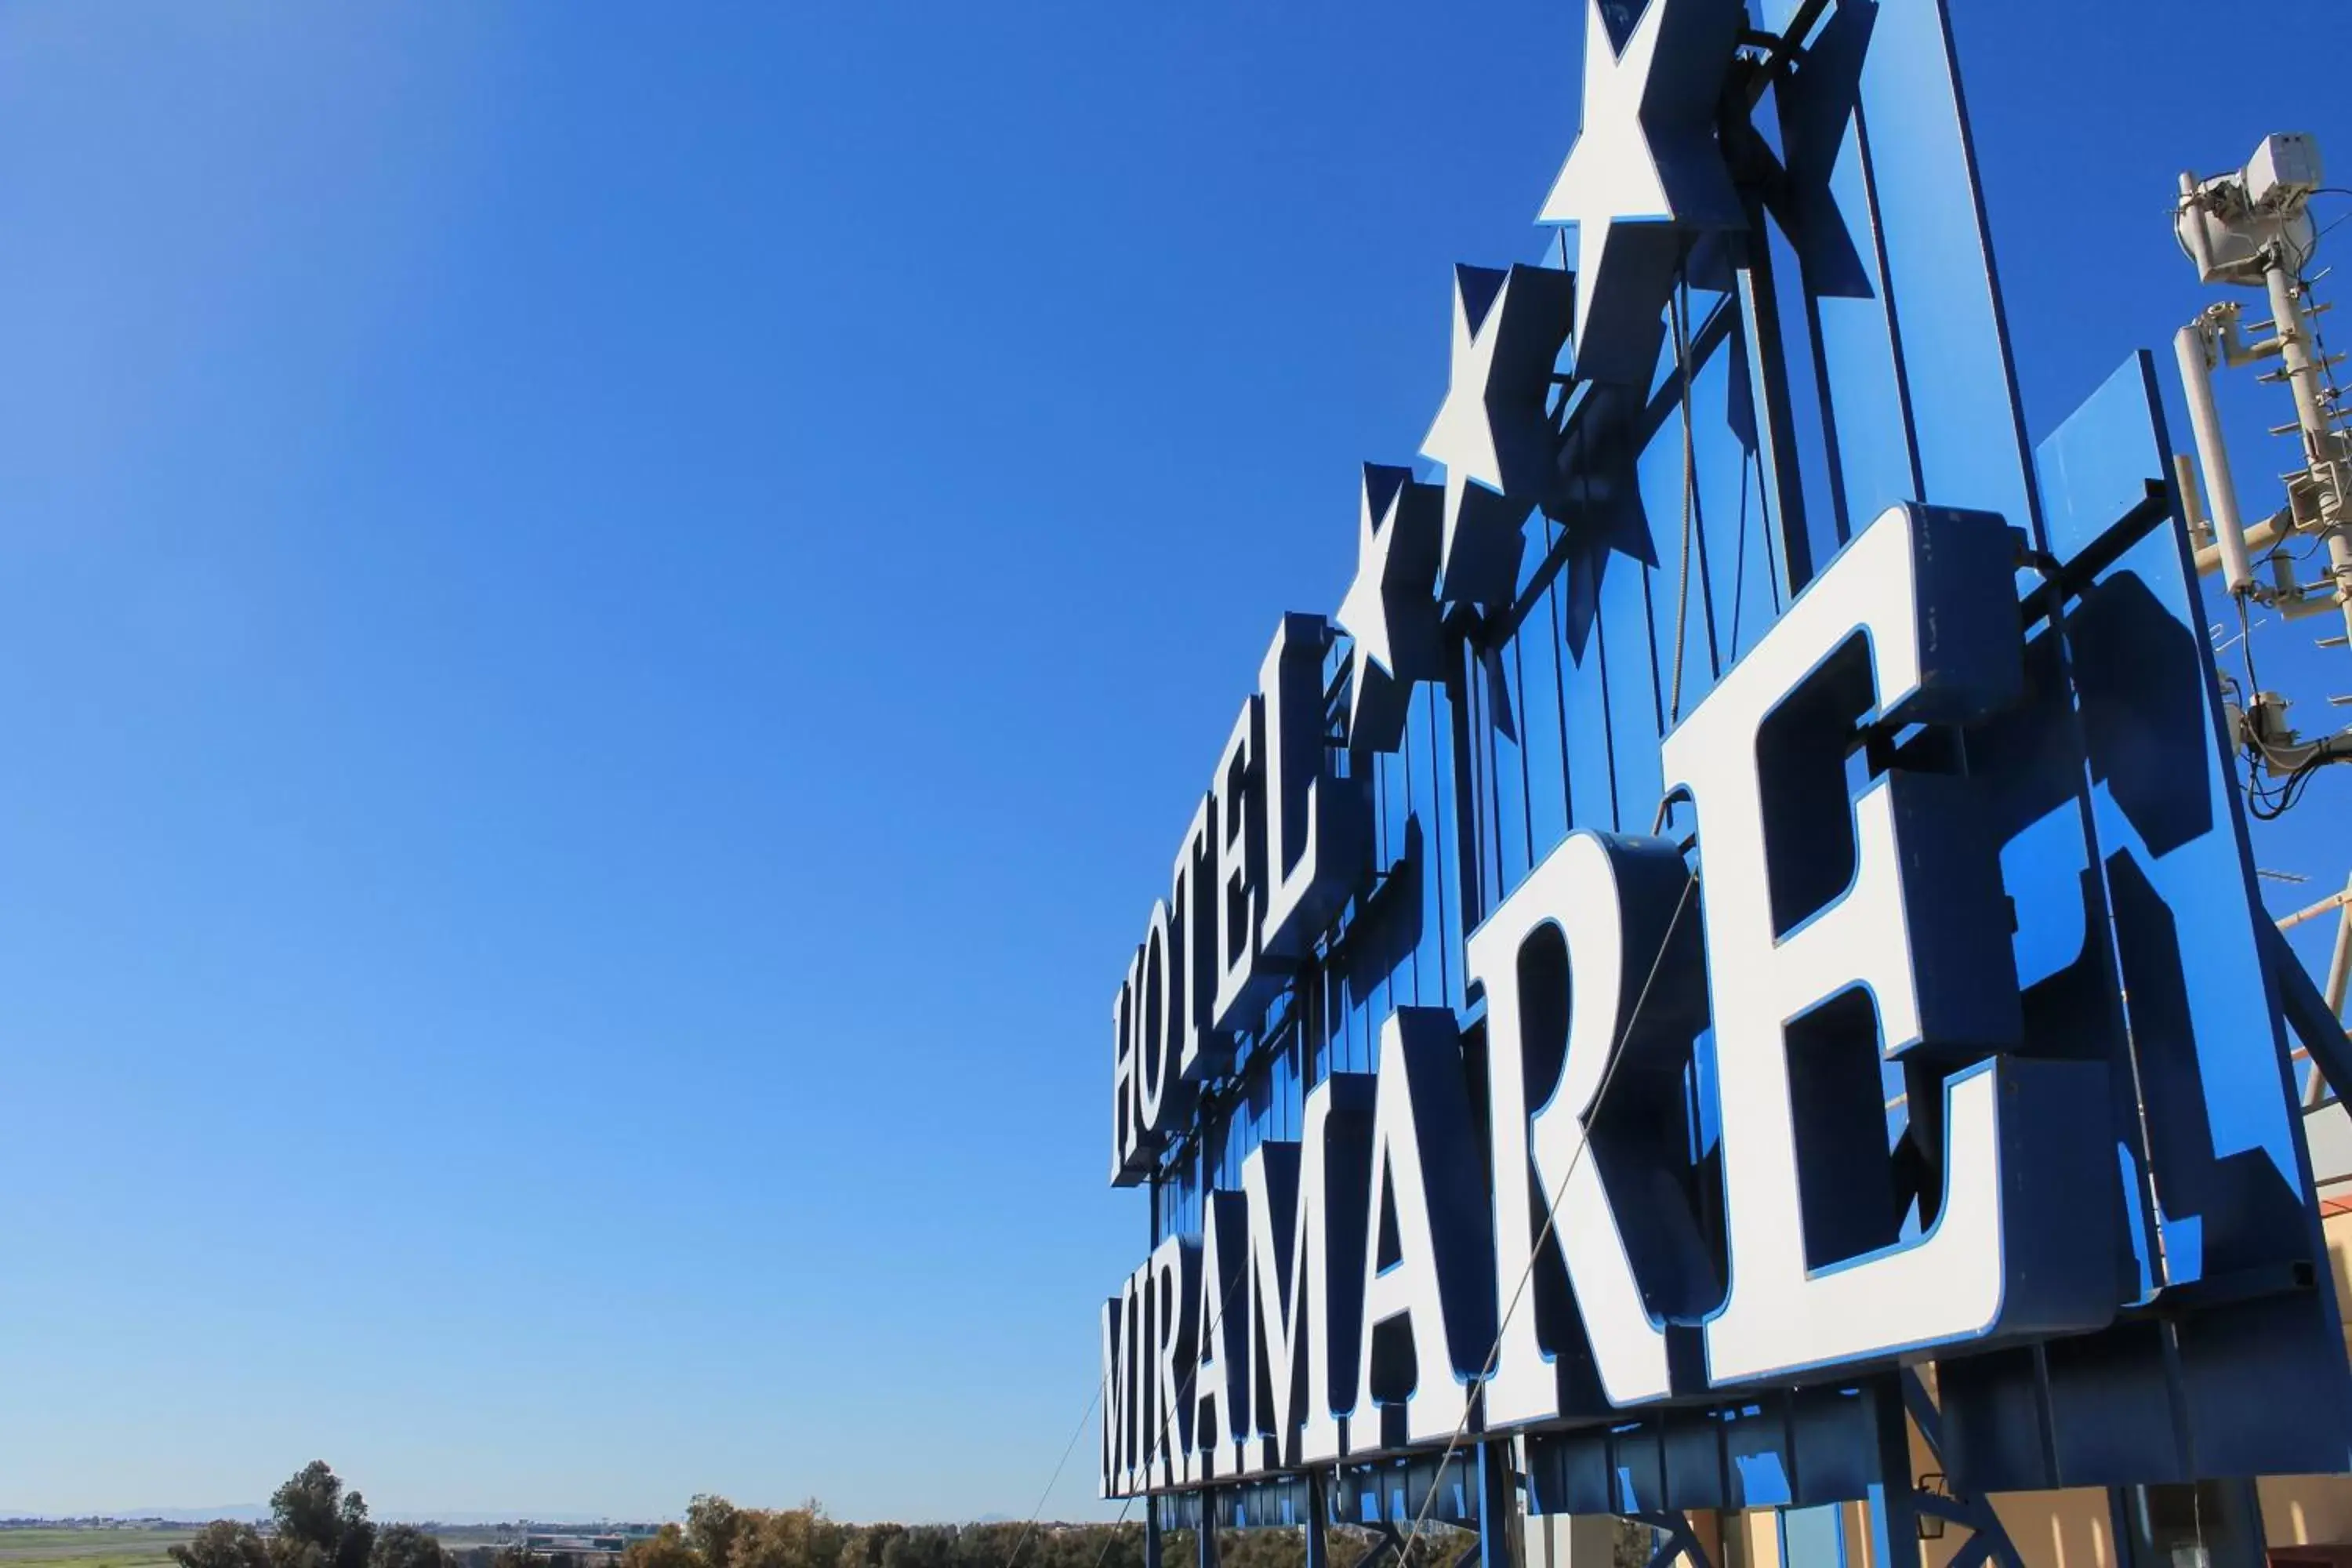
(1124, 1369)
(1114, 1399)
(1130, 1160)
(1839, 929)
(1193, 969)
(1316, 821)
(1593, 959)
(1175, 1285)
(1306, 1211)
(1428, 1251)
(1237, 801)
(1221, 1371)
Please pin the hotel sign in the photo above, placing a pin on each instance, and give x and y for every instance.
(1407, 1207)
(1792, 922)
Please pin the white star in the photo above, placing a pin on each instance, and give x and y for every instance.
(1645, 174)
(1491, 433)
(1388, 615)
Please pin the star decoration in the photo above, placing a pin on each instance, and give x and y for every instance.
(1389, 613)
(1646, 175)
(1599, 500)
(1491, 432)
(1817, 102)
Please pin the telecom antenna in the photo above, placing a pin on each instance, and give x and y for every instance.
(2253, 229)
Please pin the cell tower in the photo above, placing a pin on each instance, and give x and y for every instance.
(2253, 229)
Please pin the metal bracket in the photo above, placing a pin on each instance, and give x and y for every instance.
(1390, 1540)
(1987, 1542)
(1678, 1542)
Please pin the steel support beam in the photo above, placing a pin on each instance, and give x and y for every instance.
(2308, 1013)
(1987, 1540)
(1675, 1541)
(1498, 1498)
(1894, 1510)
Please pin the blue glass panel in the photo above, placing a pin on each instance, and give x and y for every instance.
(1627, 645)
(2096, 469)
(1953, 346)
(1677, 589)
(1723, 500)
(1869, 404)
(1441, 974)
(1542, 723)
(1778, 467)
(2173, 839)
(1591, 789)
(1808, 433)
(1508, 728)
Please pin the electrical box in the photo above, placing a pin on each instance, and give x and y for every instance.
(2228, 223)
(2283, 171)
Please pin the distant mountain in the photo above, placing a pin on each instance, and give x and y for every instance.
(256, 1514)
(251, 1511)
(563, 1517)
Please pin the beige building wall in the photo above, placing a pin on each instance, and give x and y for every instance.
(2315, 1510)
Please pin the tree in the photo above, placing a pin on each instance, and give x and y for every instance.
(666, 1549)
(356, 1542)
(406, 1546)
(990, 1545)
(224, 1544)
(320, 1525)
(924, 1546)
(711, 1525)
(878, 1539)
(309, 1507)
(785, 1538)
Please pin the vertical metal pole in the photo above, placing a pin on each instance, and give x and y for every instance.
(1205, 1536)
(1499, 1496)
(1319, 1548)
(2193, 502)
(2322, 450)
(1775, 422)
(2193, 349)
(1151, 1543)
(2339, 966)
(1893, 1521)
(2339, 974)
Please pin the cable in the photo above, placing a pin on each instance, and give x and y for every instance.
(1560, 1194)
(1067, 1450)
(1183, 1392)
(2246, 646)
(2269, 804)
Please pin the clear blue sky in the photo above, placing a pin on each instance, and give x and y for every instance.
(608, 619)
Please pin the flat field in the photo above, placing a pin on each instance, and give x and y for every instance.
(89, 1548)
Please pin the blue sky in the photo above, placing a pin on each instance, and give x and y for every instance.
(607, 620)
